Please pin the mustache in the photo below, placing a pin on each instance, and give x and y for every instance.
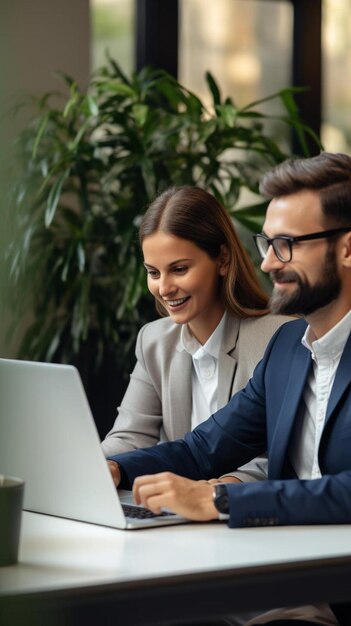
(284, 276)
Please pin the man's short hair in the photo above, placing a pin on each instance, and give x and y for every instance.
(329, 174)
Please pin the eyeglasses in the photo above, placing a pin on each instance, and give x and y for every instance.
(282, 245)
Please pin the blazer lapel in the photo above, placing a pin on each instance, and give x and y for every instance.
(227, 363)
(300, 367)
(226, 369)
(342, 379)
(180, 382)
(180, 393)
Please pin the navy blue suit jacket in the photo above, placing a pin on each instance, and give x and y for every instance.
(258, 418)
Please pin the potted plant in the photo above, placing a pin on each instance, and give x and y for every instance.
(87, 170)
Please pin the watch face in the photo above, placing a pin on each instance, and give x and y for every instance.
(221, 498)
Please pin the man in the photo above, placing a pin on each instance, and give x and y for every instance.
(298, 403)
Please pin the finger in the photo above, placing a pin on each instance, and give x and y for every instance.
(115, 473)
(161, 495)
(160, 490)
(161, 476)
(139, 482)
(157, 503)
(149, 479)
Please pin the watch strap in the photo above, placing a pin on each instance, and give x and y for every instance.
(221, 501)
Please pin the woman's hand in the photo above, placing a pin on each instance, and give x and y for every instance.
(189, 498)
(115, 473)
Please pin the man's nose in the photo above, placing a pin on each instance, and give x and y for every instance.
(271, 261)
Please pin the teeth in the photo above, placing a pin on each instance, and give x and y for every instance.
(176, 302)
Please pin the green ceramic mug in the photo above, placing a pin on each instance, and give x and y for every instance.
(11, 500)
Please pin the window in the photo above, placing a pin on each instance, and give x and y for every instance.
(112, 28)
(336, 36)
(247, 46)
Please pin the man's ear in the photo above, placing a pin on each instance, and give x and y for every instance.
(346, 250)
(223, 260)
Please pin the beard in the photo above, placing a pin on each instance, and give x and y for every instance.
(306, 298)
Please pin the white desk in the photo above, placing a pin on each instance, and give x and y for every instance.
(71, 572)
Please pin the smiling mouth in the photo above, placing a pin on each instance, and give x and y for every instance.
(282, 281)
(280, 278)
(175, 303)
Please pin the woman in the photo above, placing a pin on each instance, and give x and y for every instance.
(216, 328)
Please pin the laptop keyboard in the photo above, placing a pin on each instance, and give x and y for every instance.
(138, 512)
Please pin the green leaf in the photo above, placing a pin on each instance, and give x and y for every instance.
(194, 106)
(71, 102)
(289, 102)
(54, 197)
(140, 112)
(256, 103)
(117, 70)
(214, 89)
(115, 86)
(148, 173)
(92, 107)
(252, 217)
(81, 256)
(42, 127)
(175, 96)
(227, 113)
(53, 345)
(72, 146)
(66, 77)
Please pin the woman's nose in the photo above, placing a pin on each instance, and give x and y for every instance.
(165, 285)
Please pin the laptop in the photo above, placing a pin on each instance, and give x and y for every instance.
(48, 437)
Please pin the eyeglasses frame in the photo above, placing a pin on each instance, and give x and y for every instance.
(291, 240)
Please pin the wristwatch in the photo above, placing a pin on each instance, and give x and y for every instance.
(221, 501)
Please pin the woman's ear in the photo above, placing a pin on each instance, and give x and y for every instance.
(223, 260)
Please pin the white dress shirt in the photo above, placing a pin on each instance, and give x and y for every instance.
(326, 354)
(204, 390)
(204, 372)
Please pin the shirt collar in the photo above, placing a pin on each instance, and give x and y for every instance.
(332, 343)
(212, 346)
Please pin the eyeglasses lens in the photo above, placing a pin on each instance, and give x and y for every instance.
(262, 246)
(282, 249)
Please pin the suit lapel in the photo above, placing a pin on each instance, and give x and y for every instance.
(342, 378)
(300, 367)
(227, 363)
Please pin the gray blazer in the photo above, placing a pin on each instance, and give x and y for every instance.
(157, 403)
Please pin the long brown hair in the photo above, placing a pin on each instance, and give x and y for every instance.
(193, 214)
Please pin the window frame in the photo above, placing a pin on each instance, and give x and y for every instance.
(157, 41)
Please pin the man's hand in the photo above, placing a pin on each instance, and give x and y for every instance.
(189, 498)
(115, 473)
